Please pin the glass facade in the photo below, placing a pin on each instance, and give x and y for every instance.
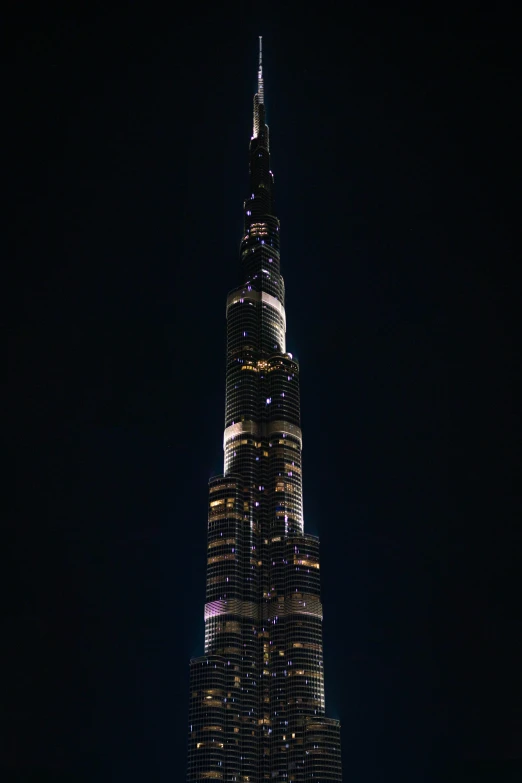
(257, 707)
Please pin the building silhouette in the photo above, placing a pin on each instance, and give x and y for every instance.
(257, 706)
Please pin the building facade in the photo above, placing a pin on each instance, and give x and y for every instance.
(257, 707)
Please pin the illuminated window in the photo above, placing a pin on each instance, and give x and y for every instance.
(308, 563)
(221, 541)
(220, 558)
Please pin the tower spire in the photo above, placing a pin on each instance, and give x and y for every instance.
(260, 86)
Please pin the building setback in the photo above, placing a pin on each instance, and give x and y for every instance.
(257, 707)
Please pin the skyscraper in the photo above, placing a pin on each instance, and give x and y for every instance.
(257, 707)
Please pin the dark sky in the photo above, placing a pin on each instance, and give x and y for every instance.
(393, 146)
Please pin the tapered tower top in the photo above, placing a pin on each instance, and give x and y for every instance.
(260, 88)
(259, 101)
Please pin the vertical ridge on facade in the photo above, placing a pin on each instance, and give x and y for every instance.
(257, 706)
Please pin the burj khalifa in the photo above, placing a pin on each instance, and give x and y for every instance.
(256, 704)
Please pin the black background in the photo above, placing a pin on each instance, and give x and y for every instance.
(393, 146)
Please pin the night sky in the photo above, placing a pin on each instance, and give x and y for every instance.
(393, 138)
